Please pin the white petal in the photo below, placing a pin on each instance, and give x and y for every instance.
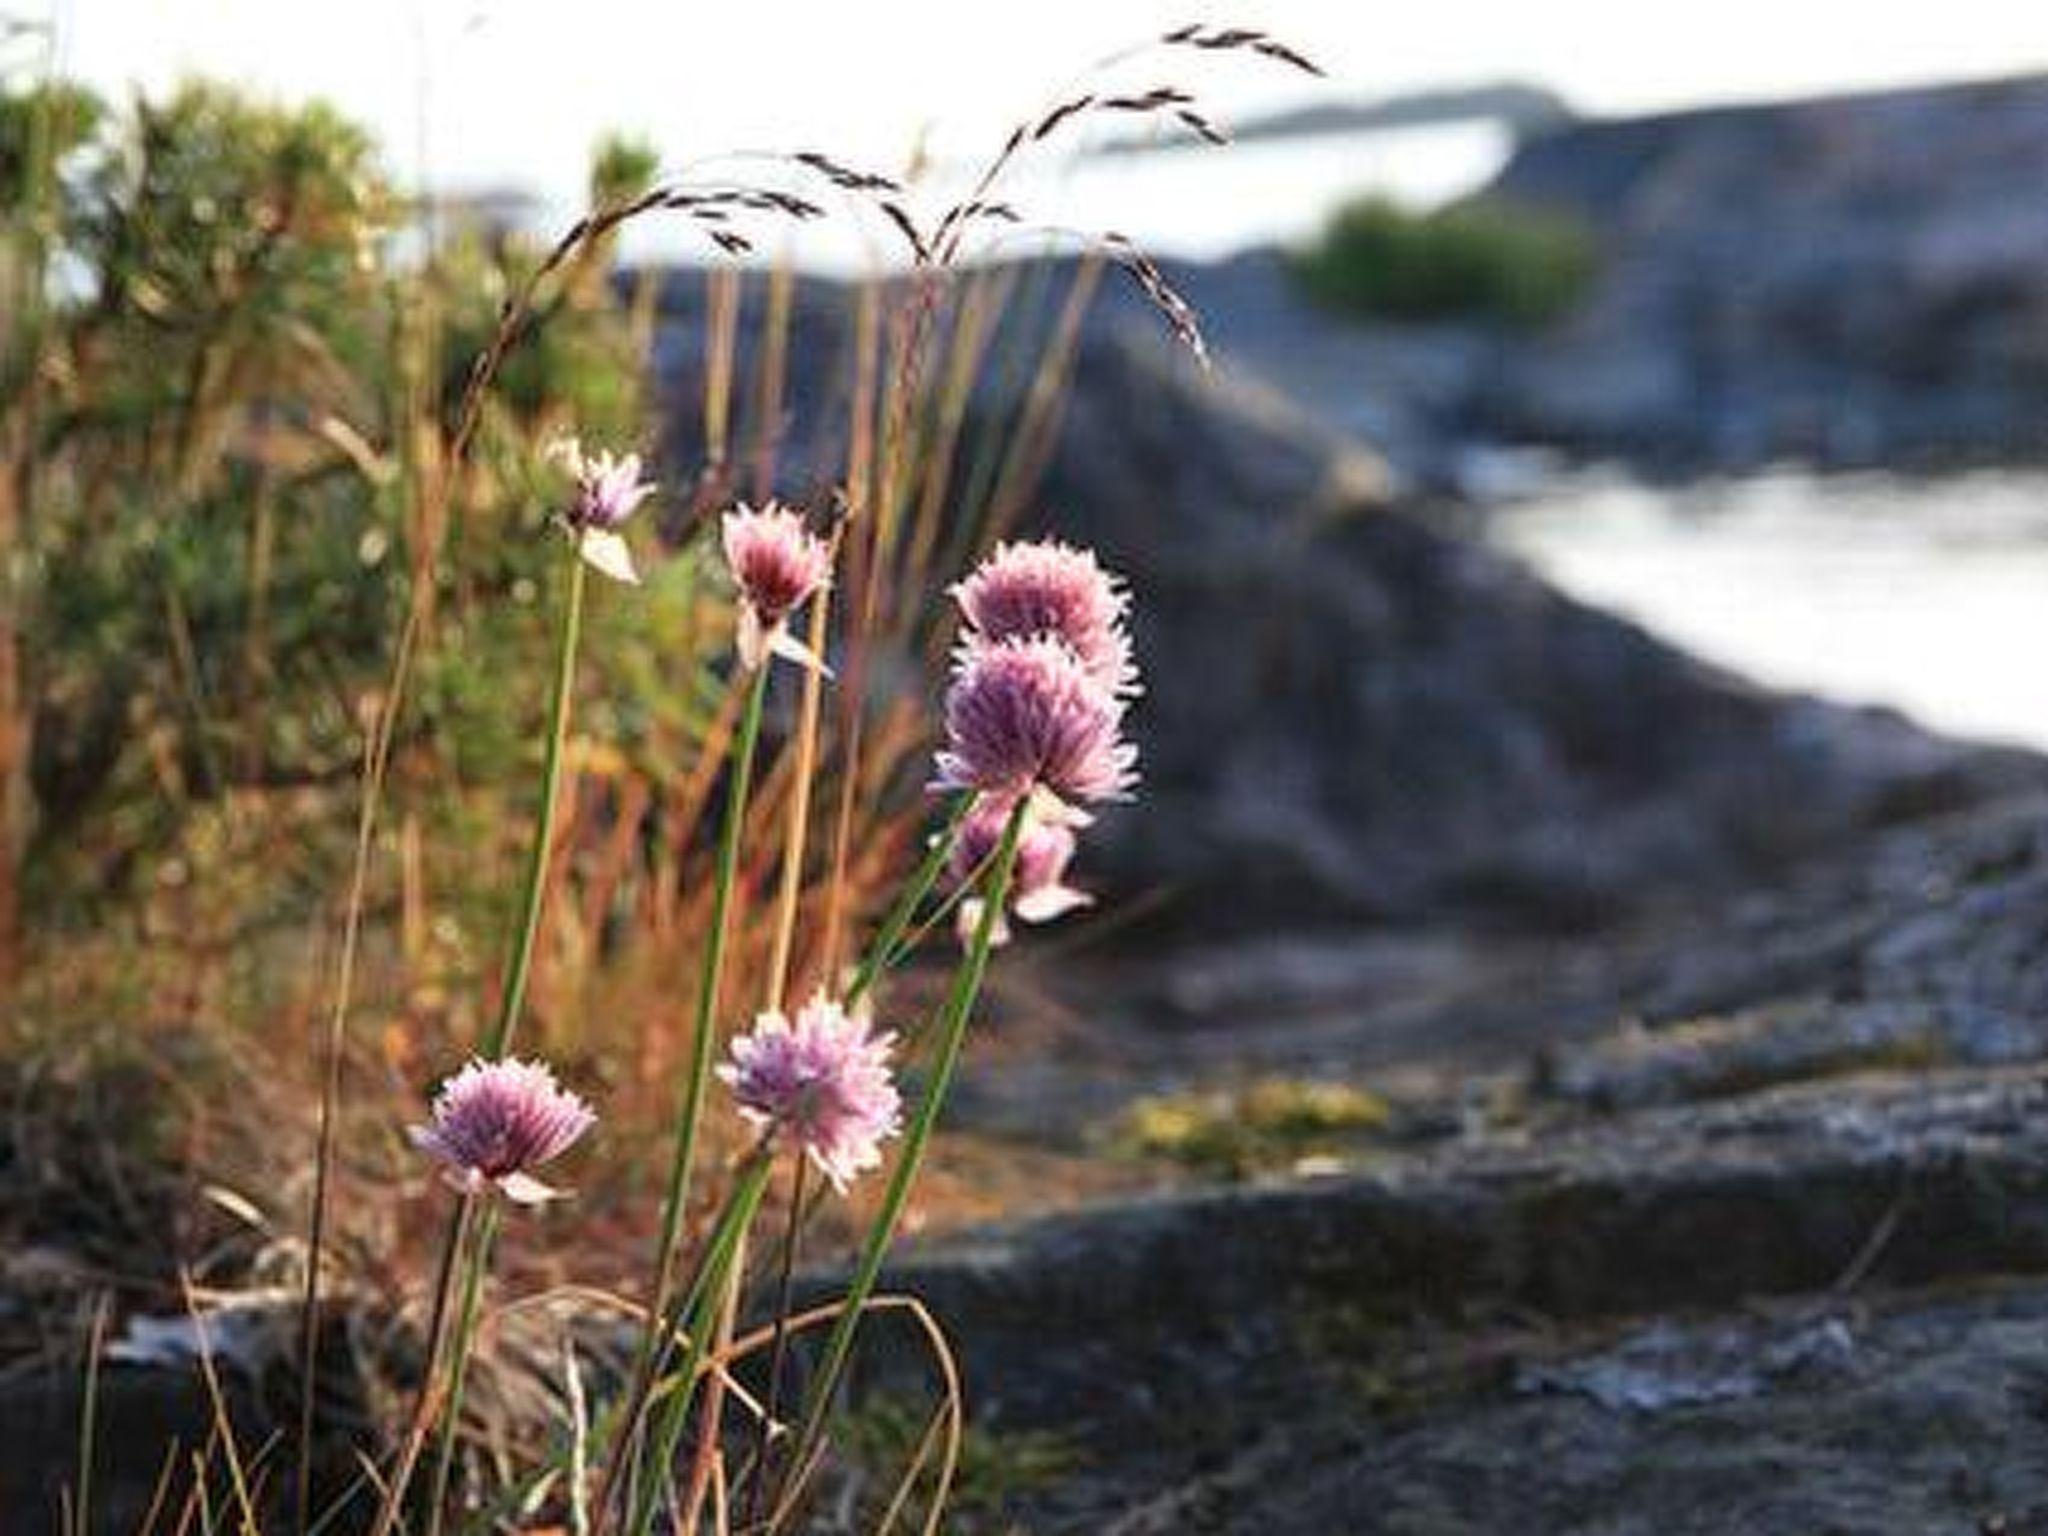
(752, 639)
(630, 502)
(1054, 901)
(608, 553)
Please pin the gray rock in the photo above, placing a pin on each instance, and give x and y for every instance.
(1450, 1343)
(1928, 1421)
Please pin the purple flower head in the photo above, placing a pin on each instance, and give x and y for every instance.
(1038, 883)
(823, 1081)
(778, 564)
(608, 488)
(1024, 717)
(1049, 588)
(496, 1121)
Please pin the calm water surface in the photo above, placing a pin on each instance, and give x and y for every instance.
(1930, 595)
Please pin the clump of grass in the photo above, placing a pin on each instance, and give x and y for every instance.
(1479, 260)
(1270, 1124)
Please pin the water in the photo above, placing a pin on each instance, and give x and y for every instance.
(1929, 595)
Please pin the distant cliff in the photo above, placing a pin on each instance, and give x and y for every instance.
(1859, 278)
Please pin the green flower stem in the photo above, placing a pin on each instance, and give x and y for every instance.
(437, 1339)
(710, 980)
(883, 952)
(952, 1031)
(690, 1113)
(458, 1361)
(695, 1319)
(499, 1039)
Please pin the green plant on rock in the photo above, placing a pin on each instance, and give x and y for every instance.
(1267, 1125)
(1481, 260)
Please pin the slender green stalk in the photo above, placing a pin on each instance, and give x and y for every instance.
(713, 973)
(423, 1403)
(956, 898)
(458, 1362)
(952, 1031)
(881, 953)
(690, 1113)
(778, 1349)
(695, 1319)
(500, 1037)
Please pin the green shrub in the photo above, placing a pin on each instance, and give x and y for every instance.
(1483, 260)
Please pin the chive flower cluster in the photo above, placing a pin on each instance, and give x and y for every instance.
(778, 566)
(608, 491)
(1035, 713)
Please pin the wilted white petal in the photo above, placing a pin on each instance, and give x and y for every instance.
(524, 1189)
(608, 553)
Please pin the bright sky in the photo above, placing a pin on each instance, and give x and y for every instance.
(515, 91)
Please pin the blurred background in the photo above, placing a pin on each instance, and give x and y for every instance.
(1592, 870)
(1422, 110)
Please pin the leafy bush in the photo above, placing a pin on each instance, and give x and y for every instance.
(1483, 259)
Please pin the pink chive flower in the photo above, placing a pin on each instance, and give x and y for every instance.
(778, 565)
(1038, 885)
(823, 1081)
(1049, 588)
(494, 1122)
(608, 489)
(1024, 717)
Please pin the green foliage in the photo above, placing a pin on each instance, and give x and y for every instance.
(241, 390)
(1271, 1124)
(41, 129)
(1480, 260)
